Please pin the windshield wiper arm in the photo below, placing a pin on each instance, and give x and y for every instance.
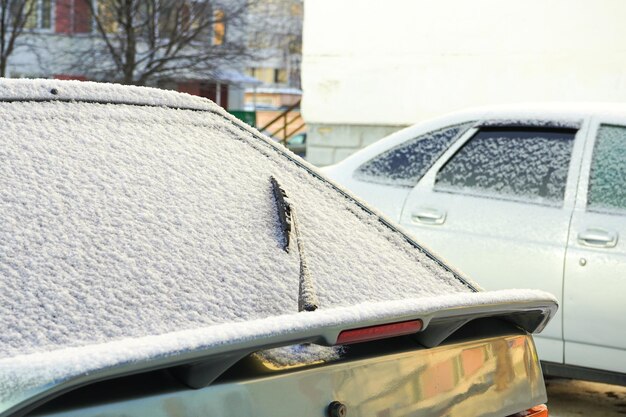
(307, 297)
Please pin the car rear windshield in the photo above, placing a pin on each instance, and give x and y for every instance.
(125, 221)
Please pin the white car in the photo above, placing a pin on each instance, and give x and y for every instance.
(519, 196)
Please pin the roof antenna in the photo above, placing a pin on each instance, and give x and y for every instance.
(307, 298)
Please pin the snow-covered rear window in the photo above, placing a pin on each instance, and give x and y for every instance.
(518, 164)
(405, 164)
(126, 221)
(607, 181)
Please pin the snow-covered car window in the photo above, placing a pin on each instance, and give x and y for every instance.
(526, 164)
(405, 164)
(126, 221)
(607, 181)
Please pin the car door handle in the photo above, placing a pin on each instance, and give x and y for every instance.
(597, 238)
(429, 216)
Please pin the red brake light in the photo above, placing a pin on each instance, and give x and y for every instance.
(381, 331)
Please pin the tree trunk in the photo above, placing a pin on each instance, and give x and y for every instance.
(131, 44)
(3, 67)
(3, 32)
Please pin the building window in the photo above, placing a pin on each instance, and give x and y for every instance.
(265, 75)
(280, 76)
(188, 17)
(107, 16)
(219, 27)
(37, 14)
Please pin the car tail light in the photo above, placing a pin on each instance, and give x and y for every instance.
(537, 411)
(381, 331)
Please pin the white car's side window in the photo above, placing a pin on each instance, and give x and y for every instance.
(405, 164)
(607, 180)
(523, 164)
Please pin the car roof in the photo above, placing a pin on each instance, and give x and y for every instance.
(41, 90)
(563, 114)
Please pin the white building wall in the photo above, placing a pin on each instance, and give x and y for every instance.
(395, 62)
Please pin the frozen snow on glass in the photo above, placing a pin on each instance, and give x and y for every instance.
(607, 181)
(405, 164)
(125, 221)
(516, 164)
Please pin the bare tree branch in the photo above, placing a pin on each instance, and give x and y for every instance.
(14, 15)
(144, 41)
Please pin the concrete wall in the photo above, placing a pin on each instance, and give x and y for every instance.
(330, 143)
(393, 63)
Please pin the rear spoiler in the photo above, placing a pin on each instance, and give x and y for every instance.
(199, 356)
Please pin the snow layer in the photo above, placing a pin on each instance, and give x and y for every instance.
(124, 221)
(41, 90)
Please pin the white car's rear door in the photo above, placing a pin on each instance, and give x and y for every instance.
(497, 206)
(594, 307)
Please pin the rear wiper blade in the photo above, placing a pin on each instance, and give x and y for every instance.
(284, 212)
(307, 297)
